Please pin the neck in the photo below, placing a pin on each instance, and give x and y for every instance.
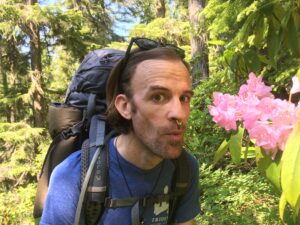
(131, 149)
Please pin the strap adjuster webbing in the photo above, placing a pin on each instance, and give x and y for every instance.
(120, 202)
(145, 201)
(96, 189)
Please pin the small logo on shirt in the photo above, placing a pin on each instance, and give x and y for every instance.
(162, 206)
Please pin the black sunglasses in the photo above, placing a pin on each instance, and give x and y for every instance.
(147, 44)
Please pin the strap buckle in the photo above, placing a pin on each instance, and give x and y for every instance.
(72, 131)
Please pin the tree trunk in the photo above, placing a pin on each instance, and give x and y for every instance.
(37, 94)
(35, 45)
(5, 86)
(4, 78)
(160, 7)
(199, 38)
(76, 4)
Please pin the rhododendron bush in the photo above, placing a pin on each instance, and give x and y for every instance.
(267, 125)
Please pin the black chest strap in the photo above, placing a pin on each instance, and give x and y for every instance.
(137, 203)
(144, 201)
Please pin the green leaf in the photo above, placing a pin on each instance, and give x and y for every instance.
(282, 204)
(267, 8)
(298, 74)
(235, 145)
(286, 18)
(268, 167)
(216, 42)
(234, 61)
(290, 172)
(228, 53)
(297, 208)
(259, 31)
(273, 42)
(252, 61)
(264, 59)
(221, 151)
(292, 37)
(251, 153)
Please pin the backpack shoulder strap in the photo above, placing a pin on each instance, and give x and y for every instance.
(94, 171)
(182, 179)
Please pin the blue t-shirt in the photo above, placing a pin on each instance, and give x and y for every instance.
(64, 190)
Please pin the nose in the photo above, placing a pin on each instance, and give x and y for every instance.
(178, 110)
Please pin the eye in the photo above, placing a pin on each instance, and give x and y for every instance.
(185, 98)
(158, 98)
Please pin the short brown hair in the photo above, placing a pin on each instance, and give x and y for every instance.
(120, 78)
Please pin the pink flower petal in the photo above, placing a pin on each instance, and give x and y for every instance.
(296, 85)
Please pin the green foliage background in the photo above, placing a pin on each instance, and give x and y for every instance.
(22, 151)
(245, 36)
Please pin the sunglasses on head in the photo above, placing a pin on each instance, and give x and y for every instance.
(147, 44)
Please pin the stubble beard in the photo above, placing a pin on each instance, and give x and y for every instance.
(163, 149)
(156, 146)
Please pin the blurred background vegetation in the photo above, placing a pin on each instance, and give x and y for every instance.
(43, 42)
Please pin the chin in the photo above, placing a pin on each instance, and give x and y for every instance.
(173, 153)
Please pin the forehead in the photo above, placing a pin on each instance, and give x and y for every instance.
(168, 73)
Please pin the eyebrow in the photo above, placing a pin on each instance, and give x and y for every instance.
(161, 88)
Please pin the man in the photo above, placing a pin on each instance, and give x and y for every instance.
(149, 94)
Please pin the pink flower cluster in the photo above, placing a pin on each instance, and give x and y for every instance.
(268, 120)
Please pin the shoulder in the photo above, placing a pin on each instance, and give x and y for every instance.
(68, 170)
(191, 159)
(194, 165)
(186, 176)
(63, 193)
(188, 164)
(188, 206)
(72, 162)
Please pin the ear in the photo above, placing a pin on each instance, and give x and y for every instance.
(123, 106)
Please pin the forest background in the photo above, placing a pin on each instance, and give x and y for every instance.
(42, 44)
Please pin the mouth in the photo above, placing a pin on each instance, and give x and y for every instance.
(175, 135)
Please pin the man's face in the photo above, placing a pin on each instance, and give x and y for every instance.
(161, 93)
